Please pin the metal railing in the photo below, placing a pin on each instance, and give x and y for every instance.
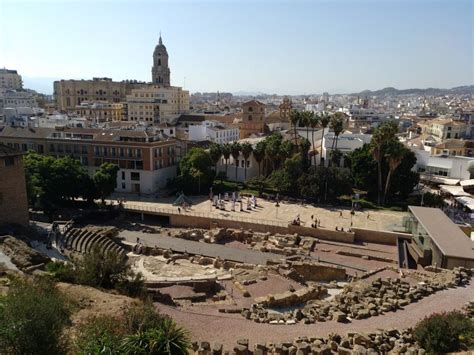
(168, 211)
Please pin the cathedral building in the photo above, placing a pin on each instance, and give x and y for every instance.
(158, 102)
(160, 72)
(153, 102)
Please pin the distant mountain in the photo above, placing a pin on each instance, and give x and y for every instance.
(390, 91)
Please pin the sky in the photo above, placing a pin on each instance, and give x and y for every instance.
(282, 47)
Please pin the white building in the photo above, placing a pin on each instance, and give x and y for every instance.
(364, 117)
(10, 79)
(446, 169)
(346, 143)
(213, 131)
(16, 99)
(319, 107)
(245, 168)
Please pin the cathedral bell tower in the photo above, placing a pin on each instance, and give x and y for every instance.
(160, 72)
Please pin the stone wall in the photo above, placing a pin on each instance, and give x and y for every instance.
(13, 201)
(379, 237)
(318, 272)
(321, 233)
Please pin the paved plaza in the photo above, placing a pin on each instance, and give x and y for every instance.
(266, 211)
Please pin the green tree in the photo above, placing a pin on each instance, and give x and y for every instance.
(284, 179)
(52, 182)
(195, 170)
(337, 125)
(109, 270)
(382, 134)
(305, 121)
(33, 315)
(273, 150)
(235, 151)
(259, 154)
(295, 117)
(215, 154)
(394, 153)
(225, 148)
(305, 145)
(246, 152)
(324, 122)
(105, 179)
(364, 170)
(314, 121)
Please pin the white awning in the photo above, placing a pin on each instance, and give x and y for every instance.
(454, 190)
(469, 182)
(439, 179)
(466, 202)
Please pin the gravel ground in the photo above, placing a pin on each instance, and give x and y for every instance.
(228, 328)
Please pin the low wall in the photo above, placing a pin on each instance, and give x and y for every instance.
(379, 237)
(321, 233)
(319, 272)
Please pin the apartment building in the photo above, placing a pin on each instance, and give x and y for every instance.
(147, 159)
(102, 111)
(213, 131)
(444, 128)
(10, 79)
(154, 104)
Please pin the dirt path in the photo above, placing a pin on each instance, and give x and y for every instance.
(227, 328)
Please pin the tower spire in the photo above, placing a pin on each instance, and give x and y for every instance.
(160, 41)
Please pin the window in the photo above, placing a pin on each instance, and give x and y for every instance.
(123, 175)
(9, 161)
(123, 186)
(249, 117)
(135, 176)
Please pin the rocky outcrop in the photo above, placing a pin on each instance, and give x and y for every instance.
(21, 254)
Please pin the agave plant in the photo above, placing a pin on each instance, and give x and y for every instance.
(168, 338)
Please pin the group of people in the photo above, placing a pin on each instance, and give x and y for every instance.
(296, 221)
(316, 223)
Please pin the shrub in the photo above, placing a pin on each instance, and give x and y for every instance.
(100, 335)
(142, 317)
(109, 270)
(32, 317)
(445, 332)
(168, 338)
(60, 271)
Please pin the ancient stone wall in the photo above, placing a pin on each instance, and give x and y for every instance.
(380, 237)
(321, 233)
(318, 272)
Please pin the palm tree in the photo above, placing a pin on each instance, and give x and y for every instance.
(215, 152)
(225, 149)
(295, 117)
(395, 152)
(259, 154)
(246, 151)
(382, 134)
(196, 173)
(235, 151)
(337, 125)
(324, 120)
(315, 119)
(305, 120)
